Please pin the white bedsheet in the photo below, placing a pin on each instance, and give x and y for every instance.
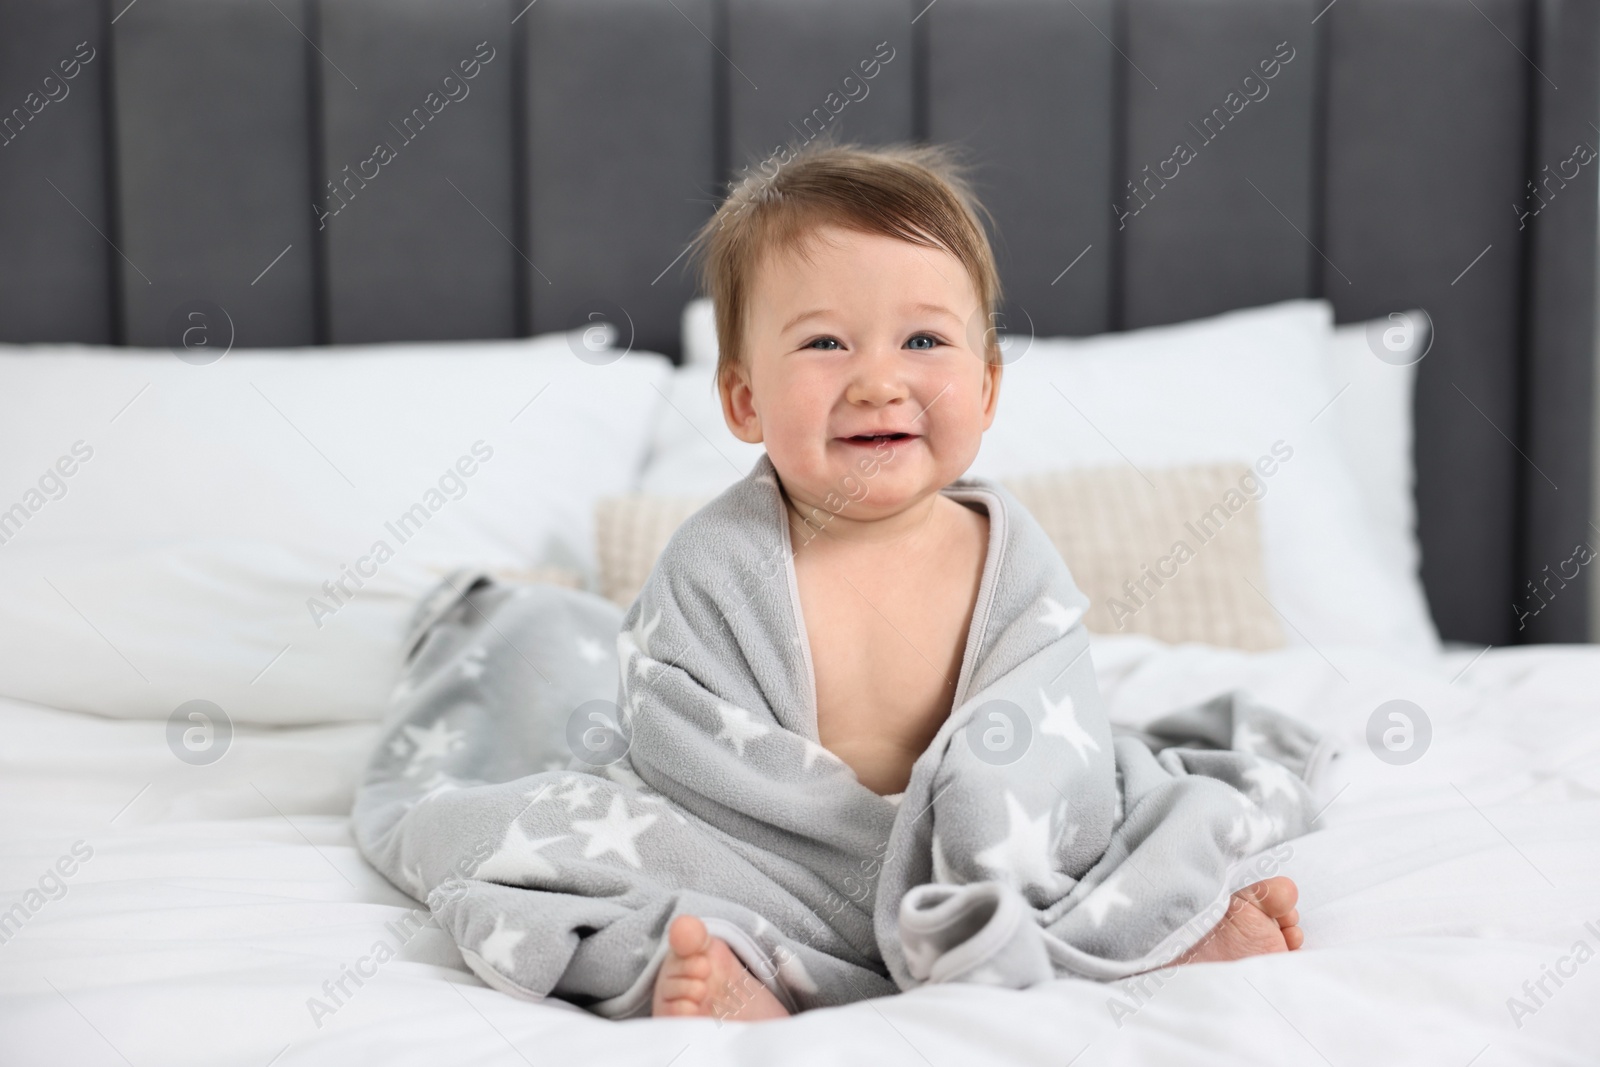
(218, 900)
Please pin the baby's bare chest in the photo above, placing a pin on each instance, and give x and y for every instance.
(886, 651)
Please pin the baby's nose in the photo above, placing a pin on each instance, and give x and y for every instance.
(878, 380)
(879, 392)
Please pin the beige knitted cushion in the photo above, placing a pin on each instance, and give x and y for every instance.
(630, 532)
(1117, 532)
(1173, 557)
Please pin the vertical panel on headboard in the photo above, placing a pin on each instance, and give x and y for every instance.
(1558, 373)
(55, 270)
(1047, 183)
(212, 112)
(789, 64)
(620, 160)
(1217, 183)
(416, 192)
(1426, 142)
(212, 140)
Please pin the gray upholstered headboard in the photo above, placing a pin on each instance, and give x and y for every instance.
(1384, 165)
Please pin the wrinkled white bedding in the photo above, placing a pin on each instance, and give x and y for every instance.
(218, 900)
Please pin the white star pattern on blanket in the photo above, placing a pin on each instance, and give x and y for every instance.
(436, 742)
(1023, 855)
(738, 727)
(814, 752)
(1103, 898)
(615, 832)
(472, 662)
(622, 773)
(1247, 738)
(1062, 618)
(578, 794)
(495, 950)
(518, 859)
(642, 632)
(1061, 719)
(629, 707)
(1249, 831)
(664, 802)
(1270, 778)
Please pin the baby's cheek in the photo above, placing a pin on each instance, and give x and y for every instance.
(799, 451)
(797, 417)
(788, 431)
(956, 431)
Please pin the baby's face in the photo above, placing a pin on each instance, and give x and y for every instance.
(873, 335)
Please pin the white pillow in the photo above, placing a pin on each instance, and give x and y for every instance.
(699, 332)
(259, 478)
(1373, 418)
(1213, 390)
(326, 449)
(134, 630)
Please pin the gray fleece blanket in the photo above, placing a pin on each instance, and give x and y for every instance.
(558, 784)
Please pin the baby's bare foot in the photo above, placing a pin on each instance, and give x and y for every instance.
(702, 977)
(1261, 918)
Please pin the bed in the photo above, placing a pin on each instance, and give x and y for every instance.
(179, 889)
(218, 901)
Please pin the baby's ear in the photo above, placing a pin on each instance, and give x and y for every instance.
(992, 368)
(738, 404)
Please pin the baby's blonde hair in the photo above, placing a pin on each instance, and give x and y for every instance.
(916, 193)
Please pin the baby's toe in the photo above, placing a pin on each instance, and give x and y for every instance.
(697, 965)
(1274, 896)
(677, 987)
(1289, 918)
(688, 936)
(1294, 937)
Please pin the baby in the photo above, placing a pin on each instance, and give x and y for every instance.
(854, 293)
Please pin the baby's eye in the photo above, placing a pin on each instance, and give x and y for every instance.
(824, 341)
(933, 342)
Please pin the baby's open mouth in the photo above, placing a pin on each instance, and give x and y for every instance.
(874, 438)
